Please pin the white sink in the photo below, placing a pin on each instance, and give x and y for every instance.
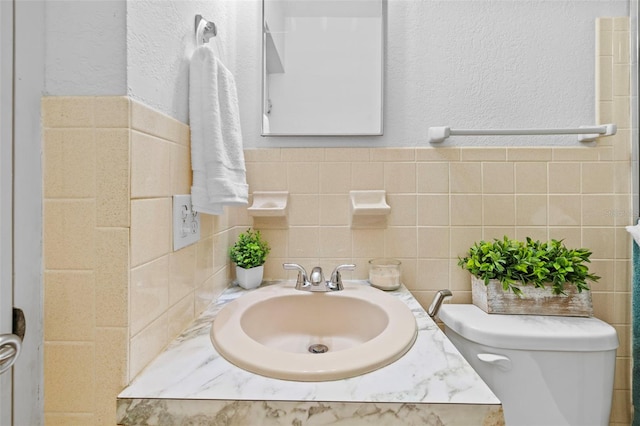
(270, 331)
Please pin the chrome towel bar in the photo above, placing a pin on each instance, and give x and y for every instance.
(585, 133)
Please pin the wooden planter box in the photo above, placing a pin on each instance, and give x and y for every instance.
(535, 301)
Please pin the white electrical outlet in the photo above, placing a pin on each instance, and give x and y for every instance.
(186, 222)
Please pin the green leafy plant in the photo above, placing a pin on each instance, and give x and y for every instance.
(532, 262)
(250, 250)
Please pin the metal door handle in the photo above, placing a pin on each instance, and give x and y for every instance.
(10, 346)
(6, 352)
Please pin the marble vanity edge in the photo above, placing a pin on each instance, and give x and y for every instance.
(308, 413)
(460, 391)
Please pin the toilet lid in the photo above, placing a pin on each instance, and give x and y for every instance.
(529, 332)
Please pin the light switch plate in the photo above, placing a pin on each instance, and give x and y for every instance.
(186, 222)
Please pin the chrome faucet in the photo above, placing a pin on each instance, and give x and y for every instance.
(316, 281)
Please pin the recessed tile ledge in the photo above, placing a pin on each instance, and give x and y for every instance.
(189, 381)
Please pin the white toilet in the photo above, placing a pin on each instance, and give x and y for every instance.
(546, 370)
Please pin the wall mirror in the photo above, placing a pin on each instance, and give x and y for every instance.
(322, 67)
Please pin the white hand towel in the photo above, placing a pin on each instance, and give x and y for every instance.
(217, 159)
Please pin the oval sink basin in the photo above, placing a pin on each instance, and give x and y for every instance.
(284, 333)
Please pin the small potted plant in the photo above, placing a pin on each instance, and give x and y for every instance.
(530, 277)
(249, 254)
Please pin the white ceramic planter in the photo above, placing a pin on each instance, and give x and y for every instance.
(249, 278)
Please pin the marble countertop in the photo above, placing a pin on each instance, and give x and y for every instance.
(431, 372)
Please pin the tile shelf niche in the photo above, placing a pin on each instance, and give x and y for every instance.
(269, 209)
(369, 209)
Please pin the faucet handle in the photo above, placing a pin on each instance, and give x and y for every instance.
(336, 279)
(302, 274)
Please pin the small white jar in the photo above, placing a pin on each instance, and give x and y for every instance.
(385, 273)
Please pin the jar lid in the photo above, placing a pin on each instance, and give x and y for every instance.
(384, 262)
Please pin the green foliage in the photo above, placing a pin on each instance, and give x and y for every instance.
(250, 250)
(531, 262)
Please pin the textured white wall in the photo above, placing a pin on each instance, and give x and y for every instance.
(467, 64)
(474, 63)
(85, 47)
(160, 42)
(139, 48)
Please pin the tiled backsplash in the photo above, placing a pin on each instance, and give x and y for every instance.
(115, 293)
(444, 199)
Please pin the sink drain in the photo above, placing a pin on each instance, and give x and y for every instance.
(318, 349)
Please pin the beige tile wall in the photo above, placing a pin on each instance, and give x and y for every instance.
(444, 199)
(613, 104)
(115, 292)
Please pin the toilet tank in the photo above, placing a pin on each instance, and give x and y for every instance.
(546, 370)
